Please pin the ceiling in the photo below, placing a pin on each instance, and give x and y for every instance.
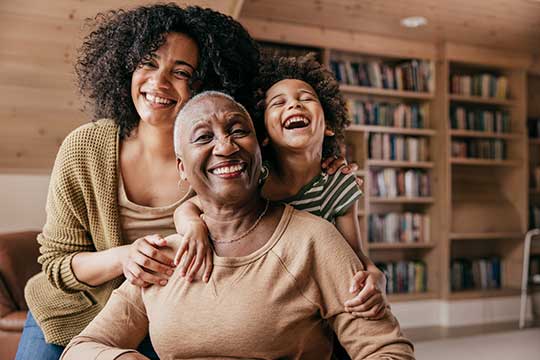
(503, 24)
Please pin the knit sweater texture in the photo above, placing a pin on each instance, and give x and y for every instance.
(82, 216)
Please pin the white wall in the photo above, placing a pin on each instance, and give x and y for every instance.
(22, 201)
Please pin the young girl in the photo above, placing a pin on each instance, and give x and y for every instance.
(304, 121)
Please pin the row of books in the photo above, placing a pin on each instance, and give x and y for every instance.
(399, 182)
(534, 127)
(479, 120)
(535, 177)
(397, 147)
(534, 265)
(534, 219)
(404, 276)
(393, 227)
(479, 149)
(412, 75)
(484, 85)
(386, 114)
(482, 274)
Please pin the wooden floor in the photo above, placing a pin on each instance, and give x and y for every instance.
(437, 332)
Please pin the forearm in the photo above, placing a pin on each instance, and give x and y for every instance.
(186, 215)
(98, 267)
(82, 347)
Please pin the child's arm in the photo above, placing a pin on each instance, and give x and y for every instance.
(195, 247)
(371, 301)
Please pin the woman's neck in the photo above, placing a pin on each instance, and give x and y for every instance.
(153, 142)
(230, 221)
(292, 171)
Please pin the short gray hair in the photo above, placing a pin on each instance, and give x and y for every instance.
(189, 105)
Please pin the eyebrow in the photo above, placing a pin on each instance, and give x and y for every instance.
(300, 91)
(177, 62)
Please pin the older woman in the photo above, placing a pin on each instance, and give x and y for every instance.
(274, 289)
(114, 181)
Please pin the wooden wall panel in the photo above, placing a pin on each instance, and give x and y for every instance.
(39, 105)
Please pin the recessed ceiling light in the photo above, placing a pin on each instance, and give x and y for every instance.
(414, 21)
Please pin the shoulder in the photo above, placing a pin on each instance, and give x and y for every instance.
(308, 233)
(91, 134)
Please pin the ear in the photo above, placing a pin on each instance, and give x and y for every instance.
(328, 132)
(180, 168)
(266, 141)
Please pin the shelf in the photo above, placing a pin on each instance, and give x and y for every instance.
(393, 298)
(484, 134)
(400, 164)
(366, 90)
(486, 236)
(391, 130)
(400, 246)
(484, 162)
(480, 100)
(401, 200)
(475, 294)
(534, 141)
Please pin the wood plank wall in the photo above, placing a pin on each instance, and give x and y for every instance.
(39, 105)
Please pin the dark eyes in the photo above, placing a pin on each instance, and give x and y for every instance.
(183, 74)
(208, 137)
(178, 73)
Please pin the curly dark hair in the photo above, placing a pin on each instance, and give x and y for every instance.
(121, 39)
(306, 68)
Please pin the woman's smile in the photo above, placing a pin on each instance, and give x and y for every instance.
(229, 169)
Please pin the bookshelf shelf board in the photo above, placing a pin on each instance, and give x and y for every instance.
(400, 246)
(475, 294)
(400, 164)
(480, 100)
(486, 236)
(412, 296)
(391, 130)
(367, 90)
(484, 134)
(534, 141)
(401, 200)
(484, 162)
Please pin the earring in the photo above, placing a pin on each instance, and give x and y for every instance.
(265, 142)
(264, 174)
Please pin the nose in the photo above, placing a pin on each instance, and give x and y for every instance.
(294, 104)
(225, 146)
(160, 79)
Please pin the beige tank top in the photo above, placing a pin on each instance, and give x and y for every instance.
(138, 220)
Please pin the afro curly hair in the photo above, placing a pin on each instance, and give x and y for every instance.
(306, 68)
(121, 39)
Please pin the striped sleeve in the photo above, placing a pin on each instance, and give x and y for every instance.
(344, 191)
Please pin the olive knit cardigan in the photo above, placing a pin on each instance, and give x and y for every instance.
(82, 215)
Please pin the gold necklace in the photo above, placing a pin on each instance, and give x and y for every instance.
(246, 233)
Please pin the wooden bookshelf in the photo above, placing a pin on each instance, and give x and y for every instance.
(480, 100)
(400, 246)
(534, 141)
(487, 293)
(393, 298)
(402, 94)
(485, 162)
(400, 164)
(391, 130)
(486, 235)
(401, 200)
(484, 134)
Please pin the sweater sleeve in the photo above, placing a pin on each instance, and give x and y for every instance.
(118, 329)
(363, 339)
(65, 232)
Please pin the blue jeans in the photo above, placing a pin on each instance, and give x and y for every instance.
(33, 346)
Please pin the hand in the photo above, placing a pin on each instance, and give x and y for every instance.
(332, 164)
(145, 263)
(196, 251)
(132, 356)
(371, 302)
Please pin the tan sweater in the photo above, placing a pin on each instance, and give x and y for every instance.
(82, 215)
(282, 301)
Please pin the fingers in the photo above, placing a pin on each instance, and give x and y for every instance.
(375, 313)
(209, 265)
(358, 281)
(188, 258)
(181, 251)
(367, 292)
(368, 304)
(138, 276)
(148, 247)
(326, 161)
(197, 263)
(335, 165)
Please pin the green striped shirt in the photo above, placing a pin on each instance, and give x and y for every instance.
(327, 196)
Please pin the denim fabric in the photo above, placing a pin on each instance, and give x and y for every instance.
(33, 346)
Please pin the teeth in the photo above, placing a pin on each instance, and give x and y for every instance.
(228, 169)
(296, 119)
(158, 100)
